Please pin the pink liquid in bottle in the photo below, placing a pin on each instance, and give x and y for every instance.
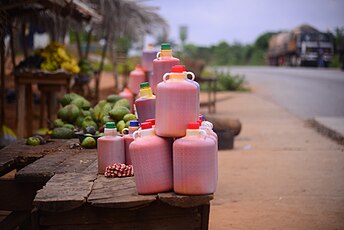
(177, 101)
(110, 148)
(162, 64)
(148, 55)
(145, 104)
(194, 163)
(152, 161)
(128, 138)
(127, 94)
(136, 77)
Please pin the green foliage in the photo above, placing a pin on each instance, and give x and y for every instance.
(226, 81)
(335, 62)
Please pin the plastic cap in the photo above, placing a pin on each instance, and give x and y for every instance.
(144, 85)
(165, 46)
(134, 123)
(193, 125)
(138, 66)
(110, 125)
(201, 117)
(152, 121)
(146, 125)
(178, 69)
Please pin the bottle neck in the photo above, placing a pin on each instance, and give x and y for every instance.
(193, 133)
(177, 76)
(146, 93)
(132, 129)
(147, 132)
(110, 132)
(165, 53)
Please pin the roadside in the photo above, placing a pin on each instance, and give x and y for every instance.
(282, 174)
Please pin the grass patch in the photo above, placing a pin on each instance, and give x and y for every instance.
(226, 81)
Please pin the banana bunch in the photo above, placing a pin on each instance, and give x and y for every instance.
(56, 57)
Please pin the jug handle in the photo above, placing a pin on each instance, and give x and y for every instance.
(192, 75)
(125, 129)
(208, 124)
(158, 55)
(136, 134)
(202, 134)
(165, 76)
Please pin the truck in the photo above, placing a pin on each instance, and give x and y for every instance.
(304, 45)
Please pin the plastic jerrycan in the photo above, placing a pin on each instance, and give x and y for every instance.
(148, 55)
(136, 77)
(145, 104)
(110, 148)
(194, 163)
(128, 138)
(127, 94)
(152, 161)
(162, 64)
(177, 103)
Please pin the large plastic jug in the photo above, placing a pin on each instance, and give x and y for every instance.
(194, 163)
(148, 55)
(152, 161)
(145, 104)
(128, 138)
(177, 103)
(162, 64)
(127, 94)
(136, 77)
(110, 148)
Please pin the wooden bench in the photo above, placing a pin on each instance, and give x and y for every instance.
(74, 196)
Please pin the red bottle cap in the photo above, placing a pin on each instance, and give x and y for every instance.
(146, 125)
(178, 69)
(152, 121)
(193, 125)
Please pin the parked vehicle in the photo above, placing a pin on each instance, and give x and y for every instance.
(304, 45)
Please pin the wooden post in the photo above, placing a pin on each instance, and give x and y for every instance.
(2, 91)
(23, 29)
(13, 56)
(89, 38)
(77, 37)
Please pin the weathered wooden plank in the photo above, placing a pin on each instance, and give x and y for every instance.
(117, 193)
(7, 163)
(15, 219)
(17, 196)
(92, 168)
(155, 216)
(184, 201)
(78, 162)
(64, 192)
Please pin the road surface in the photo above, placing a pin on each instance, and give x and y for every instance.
(306, 92)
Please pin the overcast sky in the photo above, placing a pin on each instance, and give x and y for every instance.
(211, 21)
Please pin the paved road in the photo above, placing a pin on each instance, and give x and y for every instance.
(306, 92)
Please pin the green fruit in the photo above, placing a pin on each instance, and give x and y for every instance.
(129, 117)
(68, 98)
(62, 133)
(82, 103)
(127, 124)
(120, 126)
(113, 98)
(69, 113)
(33, 141)
(79, 120)
(106, 119)
(88, 122)
(86, 113)
(58, 123)
(118, 113)
(123, 102)
(89, 143)
(68, 126)
(97, 112)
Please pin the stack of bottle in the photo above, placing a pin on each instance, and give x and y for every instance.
(174, 148)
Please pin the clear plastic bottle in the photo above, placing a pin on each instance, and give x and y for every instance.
(145, 104)
(152, 161)
(177, 103)
(136, 77)
(162, 64)
(194, 163)
(148, 55)
(110, 148)
(128, 138)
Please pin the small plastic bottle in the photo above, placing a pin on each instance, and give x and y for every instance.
(127, 94)
(152, 161)
(128, 138)
(148, 55)
(194, 163)
(145, 104)
(110, 148)
(136, 77)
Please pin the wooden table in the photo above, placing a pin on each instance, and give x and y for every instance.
(49, 83)
(74, 196)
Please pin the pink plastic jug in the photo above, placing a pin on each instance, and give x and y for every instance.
(148, 55)
(194, 163)
(110, 148)
(136, 77)
(152, 161)
(162, 64)
(145, 104)
(127, 94)
(177, 103)
(128, 138)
